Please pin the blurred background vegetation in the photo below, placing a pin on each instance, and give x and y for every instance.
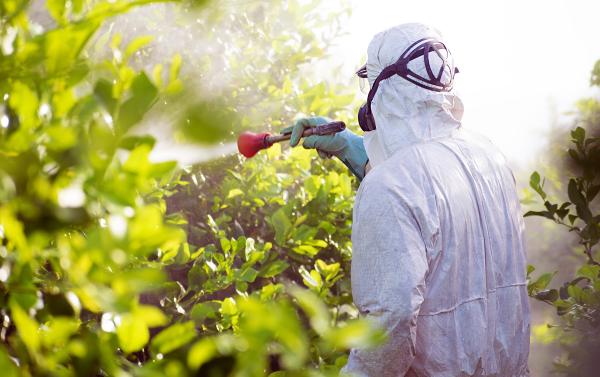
(135, 242)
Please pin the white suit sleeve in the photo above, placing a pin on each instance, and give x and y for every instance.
(388, 280)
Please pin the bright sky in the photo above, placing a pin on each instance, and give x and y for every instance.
(520, 60)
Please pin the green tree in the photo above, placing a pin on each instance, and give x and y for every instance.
(94, 234)
(577, 301)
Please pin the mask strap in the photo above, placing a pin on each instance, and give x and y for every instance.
(422, 47)
(385, 74)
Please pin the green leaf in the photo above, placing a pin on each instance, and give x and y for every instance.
(27, 328)
(577, 293)
(577, 198)
(592, 192)
(201, 352)
(327, 227)
(14, 231)
(103, 91)
(64, 45)
(534, 183)
(589, 271)
(143, 95)
(157, 75)
(132, 142)
(25, 103)
(175, 67)
(306, 250)
(316, 243)
(574, 155)
(249, 275)
(175, 85)
(225, 244)
(541, 283)
(151, 315)
(173, 337)
(314, 308)
(274, 268)
(56, 8)
(355, 334)
(8, 367)
(578, 134)
(234, 192)
(330, 271)
(282, 225)
(228, 306)
(545, 214)
(162, 169)
(311, 279)
(77, 6)
(205, 310)
(61, 138)
(137, 44)
(197, 277)
(304, 233)
(563, 210)
(547, 295)
(58, 331)
(132, 333)
(269, 291)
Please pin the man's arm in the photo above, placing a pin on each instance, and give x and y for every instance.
(346, 146)
(367, 168)
(389, 265)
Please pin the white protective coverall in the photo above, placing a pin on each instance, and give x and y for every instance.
(438, 257)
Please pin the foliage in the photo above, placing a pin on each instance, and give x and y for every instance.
(577, 301)
(90, 257)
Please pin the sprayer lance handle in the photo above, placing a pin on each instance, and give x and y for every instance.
(324, 129)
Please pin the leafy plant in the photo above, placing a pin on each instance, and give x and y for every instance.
(95, 237)
(577, 301)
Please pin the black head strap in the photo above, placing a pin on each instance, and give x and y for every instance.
(421, 48)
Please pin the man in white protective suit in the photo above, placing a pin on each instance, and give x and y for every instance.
(438, 255)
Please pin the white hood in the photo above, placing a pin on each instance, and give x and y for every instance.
(405, 113)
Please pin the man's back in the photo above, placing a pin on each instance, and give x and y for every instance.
(442, 217)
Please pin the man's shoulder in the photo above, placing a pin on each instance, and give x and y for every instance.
(395, 180)
(477, 140)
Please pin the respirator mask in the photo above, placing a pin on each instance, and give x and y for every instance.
(439, 81)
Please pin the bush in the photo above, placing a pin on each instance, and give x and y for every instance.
(577, 301)
(96, 237)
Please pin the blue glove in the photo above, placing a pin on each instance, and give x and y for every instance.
(345, 145)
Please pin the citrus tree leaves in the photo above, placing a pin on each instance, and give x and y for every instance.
(103, 279)
(173, 337)
(282, 225)
(143, 95)
(133, 335)
(578, 299)
(77, 220)
(8, 366)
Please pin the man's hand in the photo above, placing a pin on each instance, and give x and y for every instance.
(345, 145)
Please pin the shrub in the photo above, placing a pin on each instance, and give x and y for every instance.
(577, 301)
(94, 235)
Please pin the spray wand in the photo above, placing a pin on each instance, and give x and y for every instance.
(250, 143)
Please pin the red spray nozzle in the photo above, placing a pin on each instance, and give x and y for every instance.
(250, 143)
